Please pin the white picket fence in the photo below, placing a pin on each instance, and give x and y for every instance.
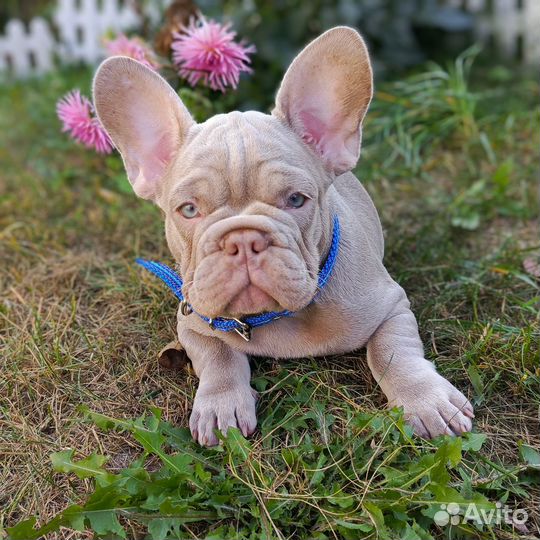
(25, 51)
(512, 25)
(81, 25)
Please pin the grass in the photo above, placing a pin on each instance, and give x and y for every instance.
(454, 175)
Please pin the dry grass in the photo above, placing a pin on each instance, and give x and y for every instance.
(81, 324)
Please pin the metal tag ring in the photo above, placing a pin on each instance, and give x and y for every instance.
(185, 308)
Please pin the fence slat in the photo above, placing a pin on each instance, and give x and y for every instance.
(506, 20)
(16, 33)
(531, 30)
(23, 52)
(43, 44)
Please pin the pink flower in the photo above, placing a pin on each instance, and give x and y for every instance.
(134, 48)
(206, 51)
(77, 115)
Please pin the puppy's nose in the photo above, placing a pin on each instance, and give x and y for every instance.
(245, 242)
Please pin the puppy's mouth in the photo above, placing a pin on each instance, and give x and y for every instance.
(250, 301)
(218, 290)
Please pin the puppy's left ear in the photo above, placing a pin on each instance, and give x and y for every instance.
(325, 94)
(145, 119)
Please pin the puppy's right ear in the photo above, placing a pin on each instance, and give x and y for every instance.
(144, 117)
(325, 94)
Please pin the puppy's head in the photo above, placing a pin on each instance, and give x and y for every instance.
(244, 194)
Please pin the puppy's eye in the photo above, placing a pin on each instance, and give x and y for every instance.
(296, 200)
(189, 210)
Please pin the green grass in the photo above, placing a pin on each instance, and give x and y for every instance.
(454, 174)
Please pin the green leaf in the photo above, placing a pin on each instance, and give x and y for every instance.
(105, 522)
(151, 440)
(180, 510)
(453, 450)
(468, 220)
(237, 444)
(466, 490)
(182, 463)
(343, 501)
(102, 421)
(416, 532)
(476, 380)
(318, 474)
(24, 530)
(202, 474)
(290, 456)
(473, 441)
(154, 419)
(529, 455)
(448, 454)
(72, 516)
(158, 528)
(409, 534)
(90, 467)
(364, 527)
(377, 517)
(502, 175)
(322, 420)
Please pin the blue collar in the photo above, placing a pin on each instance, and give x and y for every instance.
(240, 326)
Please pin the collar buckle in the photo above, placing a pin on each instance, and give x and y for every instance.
(243, 329)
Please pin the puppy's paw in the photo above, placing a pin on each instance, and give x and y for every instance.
(435, 407)
(218, 408)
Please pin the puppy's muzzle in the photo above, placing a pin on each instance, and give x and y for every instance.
(249, 264)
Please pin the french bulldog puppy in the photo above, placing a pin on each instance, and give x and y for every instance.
(249, 201)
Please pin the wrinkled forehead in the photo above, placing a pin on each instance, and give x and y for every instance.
(243, 154)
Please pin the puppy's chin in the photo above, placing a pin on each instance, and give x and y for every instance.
(251, 300)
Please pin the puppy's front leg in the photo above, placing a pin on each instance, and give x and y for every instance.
(224, 398)
(431, 404)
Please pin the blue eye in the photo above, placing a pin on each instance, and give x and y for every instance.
(296, 200)
(189, 210)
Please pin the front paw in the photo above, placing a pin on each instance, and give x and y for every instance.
(433, 407)
(220, 407)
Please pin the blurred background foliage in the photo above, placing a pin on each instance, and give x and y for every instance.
(400, 33)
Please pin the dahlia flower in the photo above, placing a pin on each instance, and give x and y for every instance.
(134, 47)
(77, 115)
(206, 51)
